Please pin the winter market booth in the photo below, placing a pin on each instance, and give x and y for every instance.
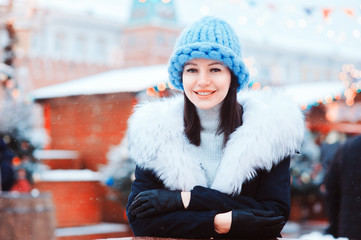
(308, 168)
(86, 120)
(333, 113)
(89, 115)
(339, 111)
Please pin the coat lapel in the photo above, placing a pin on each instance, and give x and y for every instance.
(272, 128)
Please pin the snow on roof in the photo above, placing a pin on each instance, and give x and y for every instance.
(71, 175)
(55, 154)
(123, 80)
(310, 93)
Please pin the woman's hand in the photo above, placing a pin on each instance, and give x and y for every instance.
(223, 222)
(256, 224)
(186, 198)
(156, 201)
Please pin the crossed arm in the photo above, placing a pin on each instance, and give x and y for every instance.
(205, 212)
(222, 221)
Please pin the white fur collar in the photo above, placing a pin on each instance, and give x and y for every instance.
(272, 129)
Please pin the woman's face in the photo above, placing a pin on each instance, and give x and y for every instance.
(206, 82)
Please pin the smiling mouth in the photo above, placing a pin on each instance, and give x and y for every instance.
(204, 93)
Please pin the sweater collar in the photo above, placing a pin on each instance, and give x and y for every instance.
(272, 129)
(209, 118)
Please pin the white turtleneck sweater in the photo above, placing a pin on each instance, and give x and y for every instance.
(210, 151)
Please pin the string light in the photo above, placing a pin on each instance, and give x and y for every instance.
(355, 74)
(151, 91)
(342, 76)
(157, 90)
(161, 87)
(349, 102)
(256, 86)
(328, 99)
(348, 76)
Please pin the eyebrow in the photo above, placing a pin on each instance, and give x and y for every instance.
(216, 63)
(211, 64)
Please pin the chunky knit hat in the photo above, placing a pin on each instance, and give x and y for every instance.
(210, 38)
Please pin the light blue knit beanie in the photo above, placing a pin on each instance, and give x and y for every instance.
(211, 38)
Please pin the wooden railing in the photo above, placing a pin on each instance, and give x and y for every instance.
(154, 238)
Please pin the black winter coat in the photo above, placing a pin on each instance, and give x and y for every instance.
(253, 172)
(343, 191)
(267, 191)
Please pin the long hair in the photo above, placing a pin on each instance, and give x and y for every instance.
(230, 116)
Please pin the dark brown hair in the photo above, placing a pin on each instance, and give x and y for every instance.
(231, 116)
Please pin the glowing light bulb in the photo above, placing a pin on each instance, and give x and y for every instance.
(349, 102)
(256, 86)
(161, 87)
(328, 99)
(342, 76)
(150, 91)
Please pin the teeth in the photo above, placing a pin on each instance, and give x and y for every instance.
(204, 93)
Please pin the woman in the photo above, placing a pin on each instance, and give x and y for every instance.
(210, 165)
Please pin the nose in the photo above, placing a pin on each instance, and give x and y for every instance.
(203, 79)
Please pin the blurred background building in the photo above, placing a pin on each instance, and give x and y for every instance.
(71, 72)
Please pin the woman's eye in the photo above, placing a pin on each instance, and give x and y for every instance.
(215, 70)
(191, 70)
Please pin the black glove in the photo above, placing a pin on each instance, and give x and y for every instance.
(256, 224)
(157, 201)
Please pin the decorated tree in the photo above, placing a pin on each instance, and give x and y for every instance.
(20, 133)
